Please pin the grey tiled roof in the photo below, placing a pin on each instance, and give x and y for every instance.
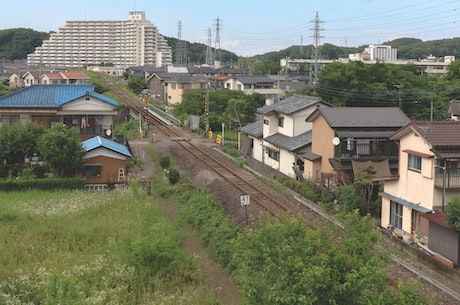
(290, 143)
(254, 129)
(454, 107)
(290, 105)
(338, 117)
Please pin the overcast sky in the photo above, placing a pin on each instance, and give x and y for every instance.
(253, 27)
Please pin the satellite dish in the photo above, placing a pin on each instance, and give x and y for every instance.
(335, 141)
(108, 132)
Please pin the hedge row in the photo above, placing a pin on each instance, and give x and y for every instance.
(9, 185)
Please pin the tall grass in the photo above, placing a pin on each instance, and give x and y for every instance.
(77, 247)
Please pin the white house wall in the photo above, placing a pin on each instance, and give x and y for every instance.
(257, 150)
(101, 151)
(288, 127)
(83, 105)
(286, 160)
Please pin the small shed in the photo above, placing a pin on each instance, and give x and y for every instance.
(105, 161)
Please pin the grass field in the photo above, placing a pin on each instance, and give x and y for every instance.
(79, 247)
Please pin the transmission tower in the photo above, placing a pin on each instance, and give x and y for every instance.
(316, 48)
(217, 57)
(301, 46)
(209, 60)
(180, 47)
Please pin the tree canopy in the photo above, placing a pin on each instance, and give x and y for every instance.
(383, 84)
(225, 106)
(453, 212)
(18, 142)
(61, 149)
(285, 263)
(17, 43)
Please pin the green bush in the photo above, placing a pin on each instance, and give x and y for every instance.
(42, 184)
(165, 162)
(173, 176)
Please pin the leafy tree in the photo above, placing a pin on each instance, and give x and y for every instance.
(283, 262)
(365, 186)
(265, 67)
(453, 70)
(453, 212)
(61, 149)
(224, 106)
(17, 142)
(347, 197)
(17, 43)
(137, 84)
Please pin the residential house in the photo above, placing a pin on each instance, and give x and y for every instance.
(454, 109)
(75, 77)
(253, 84)
(346, 140)
(429, 176)
(281, 138)
(168, 88)
(15, 80)
(105, 161)
(76, 106)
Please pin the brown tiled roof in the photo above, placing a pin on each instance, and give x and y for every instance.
(439, 133)
(75, 75)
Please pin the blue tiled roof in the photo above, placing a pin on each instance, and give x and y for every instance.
(49, 96)
(98, 141)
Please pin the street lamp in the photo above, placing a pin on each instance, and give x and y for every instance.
(399, 93)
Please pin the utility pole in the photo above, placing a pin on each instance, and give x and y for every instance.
(399, 93)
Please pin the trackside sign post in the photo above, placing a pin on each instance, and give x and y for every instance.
(245, 200)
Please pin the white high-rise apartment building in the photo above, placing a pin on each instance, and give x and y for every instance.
(381, 52)
(126, 43)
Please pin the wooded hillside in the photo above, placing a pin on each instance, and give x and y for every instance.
(17, 43)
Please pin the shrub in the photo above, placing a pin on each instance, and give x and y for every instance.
(165, 162)
(173, 176)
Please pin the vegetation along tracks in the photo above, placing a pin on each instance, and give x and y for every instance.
(263, 197)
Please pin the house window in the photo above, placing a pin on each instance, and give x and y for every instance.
(396, 215)
(281, 122)
(350, 144)
(8, 120)
(363, 146)
(275, 155)
(266, 122)
(92, 170)
(239, 87)
(415, 163)
(173, 86)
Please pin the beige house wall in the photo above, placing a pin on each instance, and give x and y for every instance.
(321, 144)
(174, 94)
(414, 186)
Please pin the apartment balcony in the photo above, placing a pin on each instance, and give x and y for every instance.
(451, 180)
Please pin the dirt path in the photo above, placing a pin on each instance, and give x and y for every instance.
(217, 277)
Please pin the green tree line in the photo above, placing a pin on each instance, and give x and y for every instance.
(17, 43)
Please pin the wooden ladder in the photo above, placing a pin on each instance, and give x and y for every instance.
(121, 174)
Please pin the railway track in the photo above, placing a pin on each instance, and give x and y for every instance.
(263, 197)
(258, 196)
